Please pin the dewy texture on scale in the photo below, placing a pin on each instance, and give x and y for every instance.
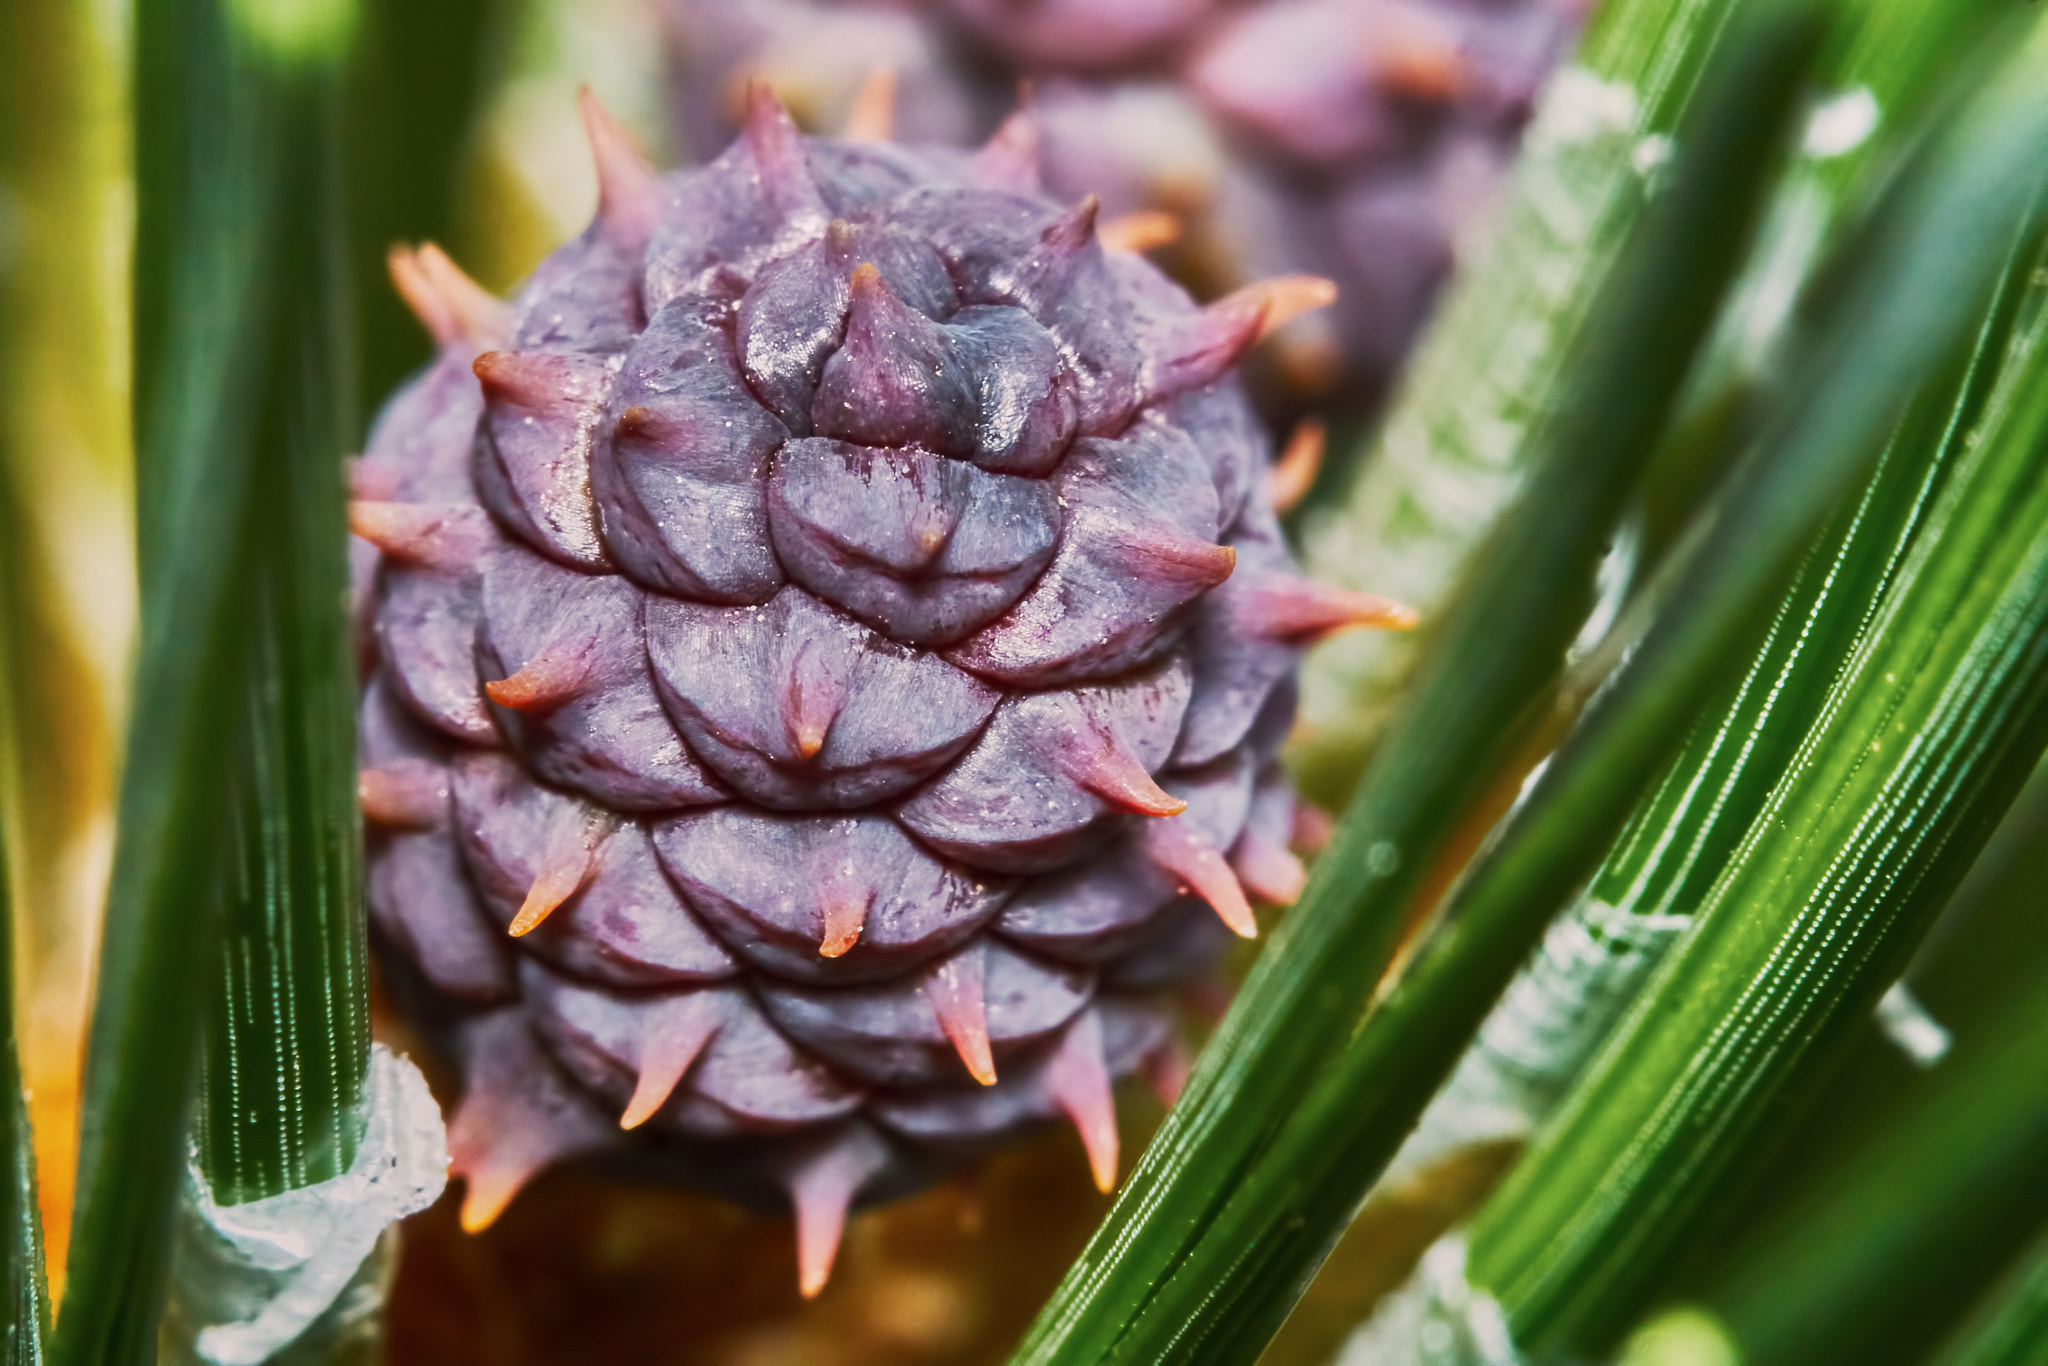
(835, 621)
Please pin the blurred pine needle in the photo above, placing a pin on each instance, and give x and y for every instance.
(66, 198)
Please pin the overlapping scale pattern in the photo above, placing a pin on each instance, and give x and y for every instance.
(830, 643)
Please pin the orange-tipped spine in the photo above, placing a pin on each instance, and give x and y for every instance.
(1286, 607)
(1106, 767)
(558, 673)
(1077, 1076)
(1301, 459)
(674, 1041)
(845, 914)
(956, 990)
(447, 537)
(1163, 553)
(628, 195)
(872, 115)
(411, 794)
(537, 383)
(1184, 851)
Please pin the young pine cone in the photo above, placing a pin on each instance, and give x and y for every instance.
(831, 642)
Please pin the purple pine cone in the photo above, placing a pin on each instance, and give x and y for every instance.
(830, 639)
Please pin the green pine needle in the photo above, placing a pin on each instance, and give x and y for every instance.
(242, 410)
(1920, 750)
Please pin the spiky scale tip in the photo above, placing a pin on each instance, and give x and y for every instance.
(1424, 64)
(1286, 607)
(368, 483)
(1166, 1071)
(455, 310)
(1301, 460)
(1164, 553)
(569, 860)
(492, 1180)
(845, 915)
(1009, 159)
(447, 537)
(812, 698)
(1183, 850)
(517, 1117)
(673, 1042)
(778, 155)
(1268, 870)
(1200, 349)
(872, 115)
(1105, 765)
(628, 198)
(1312, 828)
(537, 383)
(821, 678)
(410, 794)
(957, 990)
(822, 1186)
(1140, 230)
(545, 682)
(1281, 299)
(1078, 1078)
